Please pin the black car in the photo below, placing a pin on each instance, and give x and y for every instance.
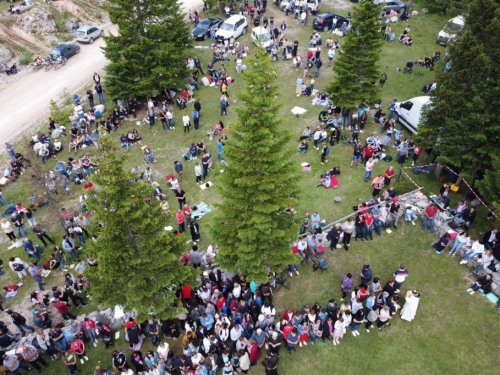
(202, 31)
(64, 50)
(324, 21)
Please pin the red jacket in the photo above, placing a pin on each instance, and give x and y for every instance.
(88, 324)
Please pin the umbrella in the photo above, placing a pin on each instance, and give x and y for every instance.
(385, 140)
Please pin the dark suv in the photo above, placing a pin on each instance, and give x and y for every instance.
(324, 21)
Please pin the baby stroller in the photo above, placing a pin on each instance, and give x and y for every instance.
(320, 265)
(345, 140)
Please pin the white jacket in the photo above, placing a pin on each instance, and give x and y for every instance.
(477, 248)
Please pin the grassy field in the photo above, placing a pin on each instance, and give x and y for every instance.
(453, 332)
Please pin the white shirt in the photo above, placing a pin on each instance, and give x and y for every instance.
(331, 53)
(369, 165)
(477, 248)
(197, 170)
(185, 120)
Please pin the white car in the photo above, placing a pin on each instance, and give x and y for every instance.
(312, 5)
(261, 37)
(234, 26)
(87, 34)
(450, 30)
(409, 112)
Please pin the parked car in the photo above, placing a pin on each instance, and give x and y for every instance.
(388, 5)
(450, 31)
(312, 5)
(202, 31)
(234, 26)
(65, 51)
(87, 34)
(261, 37)
(324, 21)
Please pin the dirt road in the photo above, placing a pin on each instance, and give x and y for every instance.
(24, 103)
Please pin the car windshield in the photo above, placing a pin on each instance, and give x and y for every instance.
(264, 37)
(80, 33)
(204, 24)
(227, 26)
(55, 52)
(453, 27)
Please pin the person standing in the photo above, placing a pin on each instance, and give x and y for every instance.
(324, 153)
(378, 184)
(366, 274)
(163, 119)
(19, 321)
(411, 305)
(197, 172)
(348, 228)
(369, 225)
(305, 223)
(69, 360)
(196, 119)
(90, 97)
(197, 63)
(195, 231)
(295, 47)
(206, 161)
(370, 164)
(19, 224)
(430, 214)
(100, 92)
(396, 213)
(334, 236)
(30, 354)
(400, 276)
(41, 233)
(62, 308)
(68, 245)
(19, 266)
(36, 272)
(270, 364)
(178, 169)
(223, 105)
(357, 154)
(346, 284)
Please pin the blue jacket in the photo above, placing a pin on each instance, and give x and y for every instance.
(178, 167)
(207, 322)
(150, 361)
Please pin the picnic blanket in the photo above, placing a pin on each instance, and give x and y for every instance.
(201, 209)
(333, 182)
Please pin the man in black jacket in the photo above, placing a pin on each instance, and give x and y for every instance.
(197, 106)
(468, 216)
(19, 321)
(334, 236)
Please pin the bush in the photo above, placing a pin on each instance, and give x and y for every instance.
(26, 58)
(66, 37)
(98, 15)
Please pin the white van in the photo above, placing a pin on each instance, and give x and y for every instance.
(312, 5)
(408, 113)
(234, 26)
(450, 31)
(261, 37)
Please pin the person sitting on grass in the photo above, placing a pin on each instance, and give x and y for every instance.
(483, 283)
(324, 182)
(303, 146)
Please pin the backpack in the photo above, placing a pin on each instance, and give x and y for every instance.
(327, 151)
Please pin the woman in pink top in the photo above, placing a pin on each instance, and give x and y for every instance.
(179, 216)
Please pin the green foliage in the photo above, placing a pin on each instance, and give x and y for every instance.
(148, 51)
(139, 264)
(59, 113)
(463, 121)
(60, 20)
(250, 227)
(451, 7)
(26, 58)
(98, 14)
(489, 185)
(357, 67)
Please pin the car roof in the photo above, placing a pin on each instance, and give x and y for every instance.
(328, 14)
(459, 20)
(60, 47)
(234, 18)
(259, 30)
(85, 28)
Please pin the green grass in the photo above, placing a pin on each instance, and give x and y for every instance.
(453, 332)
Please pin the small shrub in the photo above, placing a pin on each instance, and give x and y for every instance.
(25, 59)
(98, 15)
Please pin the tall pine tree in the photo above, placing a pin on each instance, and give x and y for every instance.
(147, 51)
(462, 122)
(356, 70)
(250, 227)
(138, 260)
